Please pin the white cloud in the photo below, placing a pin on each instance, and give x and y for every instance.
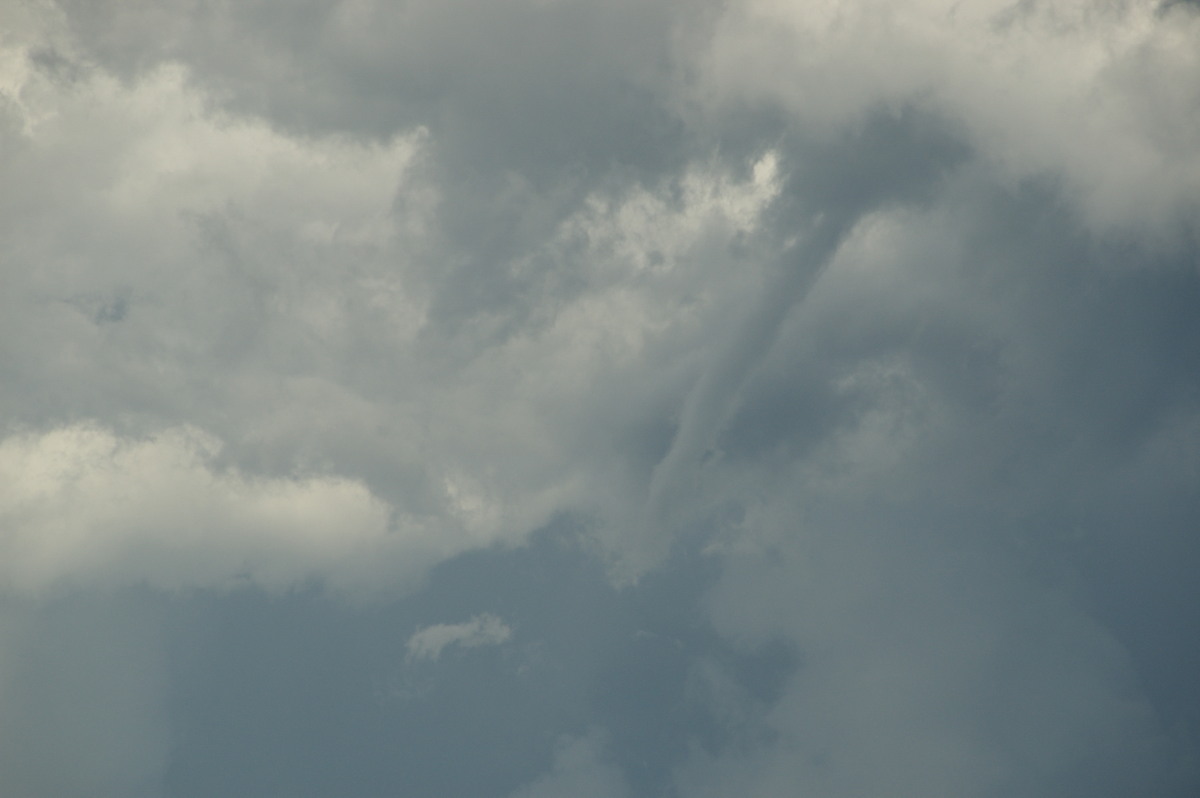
(197, 268)
(1100, 95)
(81, 506)
(482, 630)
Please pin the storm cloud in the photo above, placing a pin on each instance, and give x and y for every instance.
(548, 397)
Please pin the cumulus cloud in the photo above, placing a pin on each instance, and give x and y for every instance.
(82, 507)
(481, 630)
(1097, 95)
(852, 340)
(287, 296)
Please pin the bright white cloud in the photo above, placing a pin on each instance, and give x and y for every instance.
(81, 506)
(482, 630)
(1100, 95)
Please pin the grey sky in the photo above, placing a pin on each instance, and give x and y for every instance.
(546, 397)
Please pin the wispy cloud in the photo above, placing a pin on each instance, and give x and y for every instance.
(482, 630)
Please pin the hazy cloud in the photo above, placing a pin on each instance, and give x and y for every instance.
(578, 770)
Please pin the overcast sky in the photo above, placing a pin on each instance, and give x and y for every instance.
(599, 398)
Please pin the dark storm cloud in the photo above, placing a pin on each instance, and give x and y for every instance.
(617, 676)
(607, 399)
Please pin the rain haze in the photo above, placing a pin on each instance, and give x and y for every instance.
(599, 398)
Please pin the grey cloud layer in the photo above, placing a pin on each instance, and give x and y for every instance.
(873, 325)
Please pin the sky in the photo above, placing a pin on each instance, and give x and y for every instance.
(530, 398)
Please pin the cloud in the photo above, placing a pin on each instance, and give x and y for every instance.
(481, 630)
(926, 668)
(851, 341)
(1089, 94)
(286, 295)
(84, 507)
